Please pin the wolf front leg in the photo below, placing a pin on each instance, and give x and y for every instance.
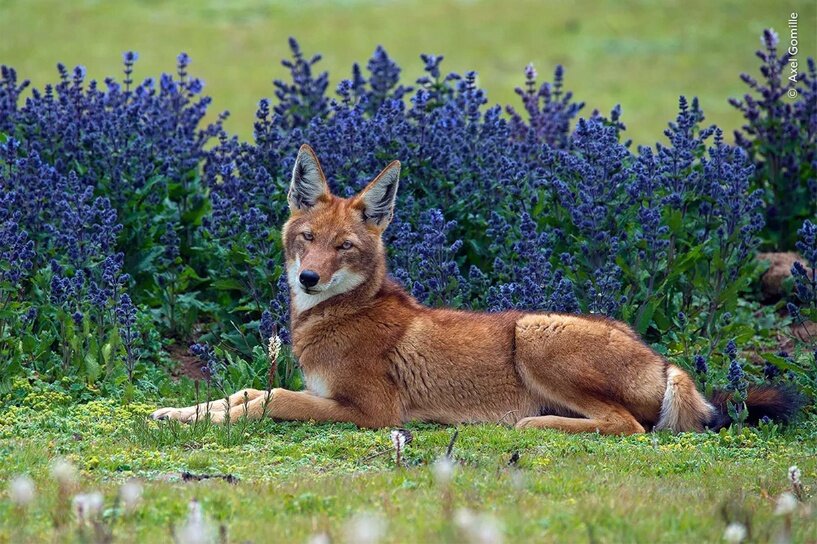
(305, 406)
(209, 409)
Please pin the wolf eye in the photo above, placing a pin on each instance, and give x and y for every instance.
(346, 245)
(308, 236)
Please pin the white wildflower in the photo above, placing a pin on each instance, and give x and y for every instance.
(320, 538)
(274, 348)
(786, 504)
(131, 494)
(478, 528)
(735, 533)
(365, 528)
(64, 472)
(443, 470)
(195, 513)
(518, 479)
(488, 531)
(196, 528)
(464, 517)
(794, 475)
(398, 439)
(21, 490)
(87, 505)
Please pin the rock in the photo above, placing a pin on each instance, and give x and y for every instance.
(805, 332)
(780, 268)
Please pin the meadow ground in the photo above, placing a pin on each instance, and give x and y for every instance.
(640, 53)
(297, 480)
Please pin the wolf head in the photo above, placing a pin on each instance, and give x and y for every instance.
(333, 245)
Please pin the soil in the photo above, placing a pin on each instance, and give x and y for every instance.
(779, 270)
(188, 365)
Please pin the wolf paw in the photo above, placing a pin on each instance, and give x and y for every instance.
(166, 413)
(188, 415)
(526, 423)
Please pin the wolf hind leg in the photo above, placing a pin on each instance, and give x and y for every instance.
(604, 419)
(597, 372)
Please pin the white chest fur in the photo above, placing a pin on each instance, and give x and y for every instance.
(317, 385)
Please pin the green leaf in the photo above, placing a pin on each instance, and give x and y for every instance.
(646, 316)
(675, 221)
(195, 214)
(107, 349)
(661, 320)
(188, 273)
(128, 393)
(781, 363)
(144, 260)
(91, 367)
(682, 265)
(228, 284)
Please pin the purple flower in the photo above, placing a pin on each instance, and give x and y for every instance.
(550, 110)
(700, 365)
(780, 137)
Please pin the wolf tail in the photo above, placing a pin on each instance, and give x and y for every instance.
(778, 403)
(684, 408)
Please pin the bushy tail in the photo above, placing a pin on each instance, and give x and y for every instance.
(778, 403)
(684, 408)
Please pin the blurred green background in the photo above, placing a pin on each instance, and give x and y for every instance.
(640, 53)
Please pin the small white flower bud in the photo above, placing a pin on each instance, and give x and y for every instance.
(786, 504)
(131, 493)
(64, 472)
(443, 470)
(87, 505)
(196, 529)
(320, 538)
(478, 528)
(365, 528)
(735, 533)
(274, 348)
(794, 475)
(21, 490)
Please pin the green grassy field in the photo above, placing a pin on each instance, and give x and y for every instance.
(642, 54)
(297, 480)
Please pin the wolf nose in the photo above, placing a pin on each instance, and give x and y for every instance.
(309, 278)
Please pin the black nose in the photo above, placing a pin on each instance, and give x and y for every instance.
(309, 278)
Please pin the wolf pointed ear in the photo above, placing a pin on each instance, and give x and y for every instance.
(308, 186)
(376, 201)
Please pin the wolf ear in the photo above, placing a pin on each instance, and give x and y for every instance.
(308, 186)
(376, 201)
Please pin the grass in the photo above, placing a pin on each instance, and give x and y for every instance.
(299, 479)
(642, 54)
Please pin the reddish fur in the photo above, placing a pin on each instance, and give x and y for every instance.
(379, 358)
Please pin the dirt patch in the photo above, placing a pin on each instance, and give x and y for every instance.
(188, 365)
(798, 332)
(771, 283)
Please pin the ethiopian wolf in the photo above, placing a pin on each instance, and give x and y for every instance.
(374, 356)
